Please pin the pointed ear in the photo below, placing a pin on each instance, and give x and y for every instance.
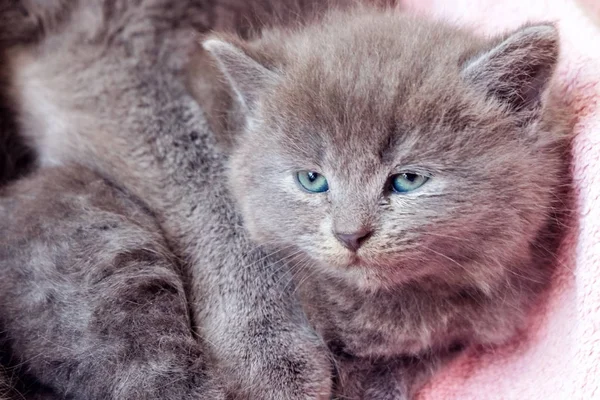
(246, 76)
(517, 70)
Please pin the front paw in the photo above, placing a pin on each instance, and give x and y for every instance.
(289, 365)
(384, 379)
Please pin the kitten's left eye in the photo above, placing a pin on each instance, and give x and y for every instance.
(407, 182)
(312, 181)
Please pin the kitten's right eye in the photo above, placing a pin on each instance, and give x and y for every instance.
(312, 182)
(407, 182)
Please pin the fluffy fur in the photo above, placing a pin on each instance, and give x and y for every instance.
(356, 95)
(92, 298)
(361, 96)
(15, 158)
(102, 86)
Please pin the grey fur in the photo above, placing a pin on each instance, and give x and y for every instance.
(360, 96)
(92, 298)
(15, 158)
(357, 94)
(104, 89)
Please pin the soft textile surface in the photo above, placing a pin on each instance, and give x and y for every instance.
(560, 357)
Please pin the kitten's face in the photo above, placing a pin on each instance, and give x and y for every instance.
(399, 147)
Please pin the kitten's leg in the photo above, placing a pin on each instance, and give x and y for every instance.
(399, 379)
(92, 304)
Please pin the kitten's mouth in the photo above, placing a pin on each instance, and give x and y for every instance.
(352, 264)
(344, 262)
(358, 263)
(360, 271)
(355, 261)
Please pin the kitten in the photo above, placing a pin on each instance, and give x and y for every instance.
(93, 306)
(100, 85)
(417, 170)
(104, 90)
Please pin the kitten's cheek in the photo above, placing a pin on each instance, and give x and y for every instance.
(256, 234)
(326, 228)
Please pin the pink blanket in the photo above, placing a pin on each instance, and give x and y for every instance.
(560, 359)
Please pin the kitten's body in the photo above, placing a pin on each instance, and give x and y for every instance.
(107, 93)
(102, 87)
(93, 303)
(359, 97)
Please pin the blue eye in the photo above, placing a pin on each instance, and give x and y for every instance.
(407, 182)
(312, 181)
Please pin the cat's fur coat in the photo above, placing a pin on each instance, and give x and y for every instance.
(359, 97)
(113, 71)
(103, 88)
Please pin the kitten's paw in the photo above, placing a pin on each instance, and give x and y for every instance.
(386, 379)
(210, 386)
(290, 366)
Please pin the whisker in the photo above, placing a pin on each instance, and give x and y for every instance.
(269, 255)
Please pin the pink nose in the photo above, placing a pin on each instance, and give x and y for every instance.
(353, 241)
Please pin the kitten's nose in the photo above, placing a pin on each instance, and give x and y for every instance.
(352, 241)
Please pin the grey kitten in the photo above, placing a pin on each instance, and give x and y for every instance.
(93, 306)
(419, 172)
(103, 88)
(100, 86)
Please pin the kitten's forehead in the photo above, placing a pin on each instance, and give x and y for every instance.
(364, 94)
(331, 121)
(327, 126)
(341, 92)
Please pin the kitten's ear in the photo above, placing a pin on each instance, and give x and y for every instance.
(517, 70)
(246, 76)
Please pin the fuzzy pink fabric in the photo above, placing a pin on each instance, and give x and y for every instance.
(560, 358)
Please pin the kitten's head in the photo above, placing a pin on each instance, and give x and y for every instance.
(388, 149)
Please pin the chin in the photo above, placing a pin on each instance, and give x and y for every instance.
(369, 282)
(355, 273)
(371, 275)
